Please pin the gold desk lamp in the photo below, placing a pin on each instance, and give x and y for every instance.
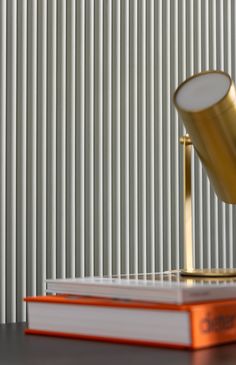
(206, 103)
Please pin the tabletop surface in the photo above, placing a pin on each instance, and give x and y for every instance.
(18, 348)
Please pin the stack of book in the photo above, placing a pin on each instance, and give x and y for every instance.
(161, 309)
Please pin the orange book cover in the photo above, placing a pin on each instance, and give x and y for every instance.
(211, 323)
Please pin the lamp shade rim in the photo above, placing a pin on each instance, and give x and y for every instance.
(199, 110)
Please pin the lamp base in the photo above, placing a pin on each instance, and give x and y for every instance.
(212, 273)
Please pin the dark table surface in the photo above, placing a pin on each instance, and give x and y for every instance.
(17, 348)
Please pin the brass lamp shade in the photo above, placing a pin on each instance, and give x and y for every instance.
(213, 134)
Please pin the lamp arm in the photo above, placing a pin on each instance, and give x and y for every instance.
(188, 232)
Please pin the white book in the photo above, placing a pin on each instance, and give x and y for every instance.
(166, 287)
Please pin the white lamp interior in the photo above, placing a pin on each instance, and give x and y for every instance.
(202, 91)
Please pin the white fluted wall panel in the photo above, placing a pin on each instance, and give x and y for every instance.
(90, 163)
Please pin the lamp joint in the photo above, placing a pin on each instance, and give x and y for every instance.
(185, 140)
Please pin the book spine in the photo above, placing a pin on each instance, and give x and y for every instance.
(213, 324)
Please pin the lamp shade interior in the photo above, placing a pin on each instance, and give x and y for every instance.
(202, 91)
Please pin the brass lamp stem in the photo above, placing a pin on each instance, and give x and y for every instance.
(189, 269)
(188, 235)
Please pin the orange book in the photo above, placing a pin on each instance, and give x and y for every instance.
(190, 326)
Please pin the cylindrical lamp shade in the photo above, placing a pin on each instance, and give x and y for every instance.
(206, 103)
